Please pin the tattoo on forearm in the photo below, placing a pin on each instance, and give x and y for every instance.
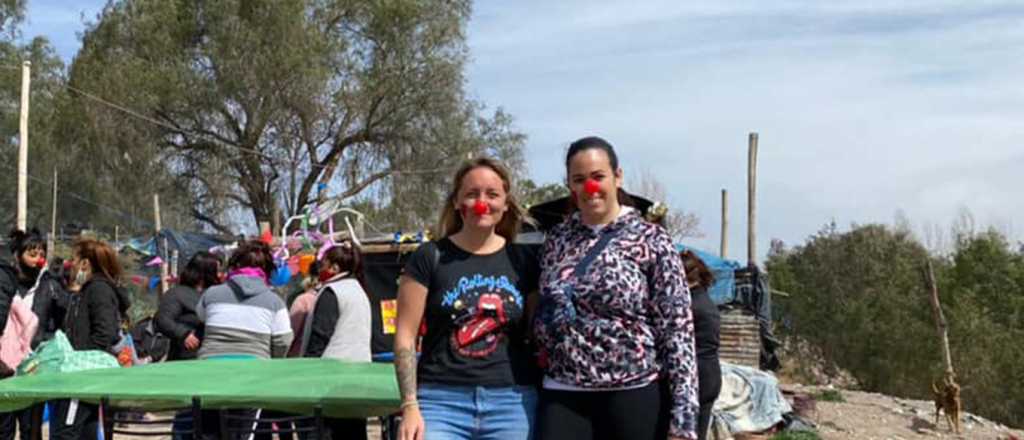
(405, 369)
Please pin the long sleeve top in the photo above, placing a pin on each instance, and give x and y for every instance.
(632, 322)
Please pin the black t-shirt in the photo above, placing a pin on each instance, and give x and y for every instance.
(475, 329)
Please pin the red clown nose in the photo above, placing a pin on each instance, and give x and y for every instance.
(481, 208)
(41, 263)
(591, 187)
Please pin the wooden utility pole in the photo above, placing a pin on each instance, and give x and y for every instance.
(940, 319)
(725, 223)
(26, 70)
(50, 244)
(752, 199)
(163, 264)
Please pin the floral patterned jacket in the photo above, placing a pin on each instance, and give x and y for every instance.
(631, 323)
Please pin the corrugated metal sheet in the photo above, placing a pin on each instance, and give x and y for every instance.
(740, 339)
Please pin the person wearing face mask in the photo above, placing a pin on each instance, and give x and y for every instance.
(614, 323)
(339, 326)
(93, 322)
(41, 292)
(301, 307)
(176, 316)
(475, 378)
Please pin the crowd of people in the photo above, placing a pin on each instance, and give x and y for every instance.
(606, 333)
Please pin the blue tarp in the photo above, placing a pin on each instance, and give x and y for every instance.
(724, 289)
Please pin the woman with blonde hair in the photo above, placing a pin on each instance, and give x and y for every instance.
(469, 289)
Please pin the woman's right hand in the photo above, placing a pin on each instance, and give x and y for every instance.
(412, 427)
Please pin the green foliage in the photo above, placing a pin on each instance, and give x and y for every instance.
(12, 12)
(859, 299)
(257, 103)
(830, 396)
(530, 193)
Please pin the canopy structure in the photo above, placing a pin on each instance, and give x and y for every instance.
(291, 385)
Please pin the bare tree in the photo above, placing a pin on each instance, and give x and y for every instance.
(680, 224)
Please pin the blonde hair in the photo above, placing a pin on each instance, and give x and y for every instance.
(514, 216)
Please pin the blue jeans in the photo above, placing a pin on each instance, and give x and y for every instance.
(454, 412)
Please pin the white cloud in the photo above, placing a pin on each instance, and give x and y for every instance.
(859, 106)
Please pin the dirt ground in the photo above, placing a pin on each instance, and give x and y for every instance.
(871, 416)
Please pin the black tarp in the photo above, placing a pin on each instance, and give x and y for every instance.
(381, 271)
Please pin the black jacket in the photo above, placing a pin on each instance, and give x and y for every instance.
(176, 318)
(706, 323)
(49, 304)
(8, 288)
(94, 317)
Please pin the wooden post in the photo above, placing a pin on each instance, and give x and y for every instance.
(174, 262)
(752, 199)
(725, 223)
(275, 220)
(51, 243)
(163, 265)
(117, 233)
(26, 69)
(940, 319)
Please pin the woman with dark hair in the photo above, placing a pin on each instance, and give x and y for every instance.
(243, 317)
(706, 327)
(340, 325)
(176, 316)
(614, 323)
(41, 292)
(475, 378)
(98, 307)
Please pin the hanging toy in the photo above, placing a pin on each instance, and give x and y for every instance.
(282, 275)
(267, 237)
(293, 263)
(305, 261)
(480, 208)
(591, 187)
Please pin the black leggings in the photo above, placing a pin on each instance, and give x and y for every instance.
(709, 381)
(639, 414)
(27, 422)
(83, 425)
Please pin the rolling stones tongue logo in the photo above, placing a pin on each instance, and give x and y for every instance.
(478, 332)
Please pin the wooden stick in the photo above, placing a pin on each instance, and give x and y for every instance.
(752, 199)
(725, 223)
(163, 265)
(940, 319)
(51, 243)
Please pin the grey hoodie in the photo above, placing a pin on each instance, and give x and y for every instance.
(255, 323)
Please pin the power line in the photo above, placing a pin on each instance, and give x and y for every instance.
(86, 200)
(159, 123)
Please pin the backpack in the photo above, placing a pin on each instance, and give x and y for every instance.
(16, 340)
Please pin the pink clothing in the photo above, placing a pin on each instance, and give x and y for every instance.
(250, 272)
(301, 308)
(16, 341)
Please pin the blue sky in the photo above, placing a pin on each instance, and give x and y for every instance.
(864, 109)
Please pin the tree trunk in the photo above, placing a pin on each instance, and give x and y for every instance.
(941, 327)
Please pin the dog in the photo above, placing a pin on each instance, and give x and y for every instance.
(947, 400)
